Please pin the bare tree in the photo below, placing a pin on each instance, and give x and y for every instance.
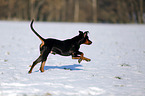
(31, 6)
(132, 11)
(120, 11)
(94, 4)
(34, 7)
(138, 10)
(64, 10)
(141, 10)
(10, 9)
(76, 11)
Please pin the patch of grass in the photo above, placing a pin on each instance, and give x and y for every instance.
(124, 64)
(5, 60)
(119, 85)
(8, 53)
(117, 77)
(48, 94)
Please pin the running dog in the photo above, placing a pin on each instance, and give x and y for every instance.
(68, 47)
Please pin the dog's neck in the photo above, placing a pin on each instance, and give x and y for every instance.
(77, 40)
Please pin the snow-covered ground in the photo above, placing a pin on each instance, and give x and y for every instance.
(117, 66)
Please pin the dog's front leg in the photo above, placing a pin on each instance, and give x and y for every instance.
(75, 56)
(81, 57)
(86, 59)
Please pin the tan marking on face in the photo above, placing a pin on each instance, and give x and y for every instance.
(88, 42)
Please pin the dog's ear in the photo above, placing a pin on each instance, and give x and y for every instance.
(80, 32)
(86, 33)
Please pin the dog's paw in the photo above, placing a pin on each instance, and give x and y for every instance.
(41, 69)
(79, 60)
(29, 72)
(88, 60)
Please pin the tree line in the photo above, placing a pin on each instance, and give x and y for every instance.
(110, 11)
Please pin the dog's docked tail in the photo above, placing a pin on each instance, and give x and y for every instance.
(41, 38)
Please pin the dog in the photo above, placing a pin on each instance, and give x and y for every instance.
(68, 47)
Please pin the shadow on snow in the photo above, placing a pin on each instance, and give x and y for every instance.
(66, 67)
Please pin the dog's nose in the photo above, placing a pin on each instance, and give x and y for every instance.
(91, 42)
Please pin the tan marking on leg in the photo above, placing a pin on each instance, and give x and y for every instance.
(81, 58)
(86, 59)
(42, 66)
(75, 57)
(82, 55)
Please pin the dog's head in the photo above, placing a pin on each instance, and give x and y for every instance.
(84, 38)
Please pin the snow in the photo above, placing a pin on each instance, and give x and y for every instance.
(117, 66)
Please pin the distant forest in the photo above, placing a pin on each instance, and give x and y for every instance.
(101, 11)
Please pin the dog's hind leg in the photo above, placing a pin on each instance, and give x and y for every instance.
(43, 61)
(45, 54)
(42, 66)
(42, 58)
(35, 62)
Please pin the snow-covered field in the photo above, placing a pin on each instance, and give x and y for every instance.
(117, 66)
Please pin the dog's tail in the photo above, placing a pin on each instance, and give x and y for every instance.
(41, 38)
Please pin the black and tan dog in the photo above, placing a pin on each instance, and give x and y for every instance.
(65, 48)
